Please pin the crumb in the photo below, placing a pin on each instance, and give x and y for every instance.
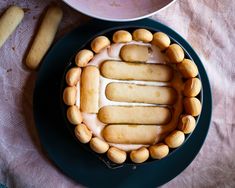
(9, 70)
(26, 10)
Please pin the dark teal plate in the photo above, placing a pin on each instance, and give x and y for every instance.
(69, 156)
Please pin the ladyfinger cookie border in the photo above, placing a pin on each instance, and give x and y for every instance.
(192, 88)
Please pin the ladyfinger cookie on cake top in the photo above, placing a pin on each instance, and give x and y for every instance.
(134, 114)
(131, 134)
(136, 71)
(140, 93)
(135, 53)
(89, 99)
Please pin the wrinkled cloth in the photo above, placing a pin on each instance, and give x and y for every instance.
(208, 25)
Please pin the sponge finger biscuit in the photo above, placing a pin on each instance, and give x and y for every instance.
(134, 53)
(136, 71)
(90, 89)
(134, 114)
(130, 134)
(9, 21)
(123, 92)
(44, 37)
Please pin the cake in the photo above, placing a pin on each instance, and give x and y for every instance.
(135, 96)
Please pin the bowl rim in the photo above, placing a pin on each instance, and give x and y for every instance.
(118, 19)
(64, 107)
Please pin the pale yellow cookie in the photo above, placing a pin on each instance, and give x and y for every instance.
(44, 36)
(175, 139)
(99, 43)
(130, 134)
(192, 106)
(192, 87)
(134, 53)
(188, 68)
(158, 151)
(116, 155)
(89, 98)
(73, 76)
(143, 35)
(140, 155)
(10, 19)
(82, 133)
(122, 36)
(175, 53)
(161, 40)
(187, 124)
(134, 114)
(123, 92)
(136, 71)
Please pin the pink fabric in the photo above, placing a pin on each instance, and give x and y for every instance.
(208, 25)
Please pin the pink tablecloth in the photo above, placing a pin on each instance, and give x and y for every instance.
(208, 25)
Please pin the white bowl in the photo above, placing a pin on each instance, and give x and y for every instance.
(119, 10)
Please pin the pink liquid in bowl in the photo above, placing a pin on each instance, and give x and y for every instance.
(118, 10)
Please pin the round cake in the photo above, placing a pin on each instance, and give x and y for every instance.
(135, 97)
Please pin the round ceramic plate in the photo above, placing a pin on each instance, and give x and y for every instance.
(63, 149)
(119, 10)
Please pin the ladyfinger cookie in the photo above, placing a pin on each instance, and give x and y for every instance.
(123, 92)
(134, 114)
(130, 134)
(89, 99)
(175, 53)
(122, 36)
(44, 37)
(9, 21)
(116, 155)
(134, 53)
(143, 35)
(136, 71)
(140, 155)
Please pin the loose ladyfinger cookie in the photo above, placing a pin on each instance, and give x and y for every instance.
(130, 134)
(158, 151)
(192, 87)
(136, 71)
(98, 145)
(140, 155)
(116, 155)
(161, 40)
(74, 115)
(70, 95)
(9, 21)
(142, 35)
(175, 139)
(73, 76)
(187, 124)
(175, 53)
(99, 43)
(83, 57)
(192, 106)
(140, 93)
(188, 68)
(134, 114)
(122, 36)
(82, 133)
(134, 53)
(89, 99)
(44, 37)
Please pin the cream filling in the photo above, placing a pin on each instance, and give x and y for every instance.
(112, 53)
